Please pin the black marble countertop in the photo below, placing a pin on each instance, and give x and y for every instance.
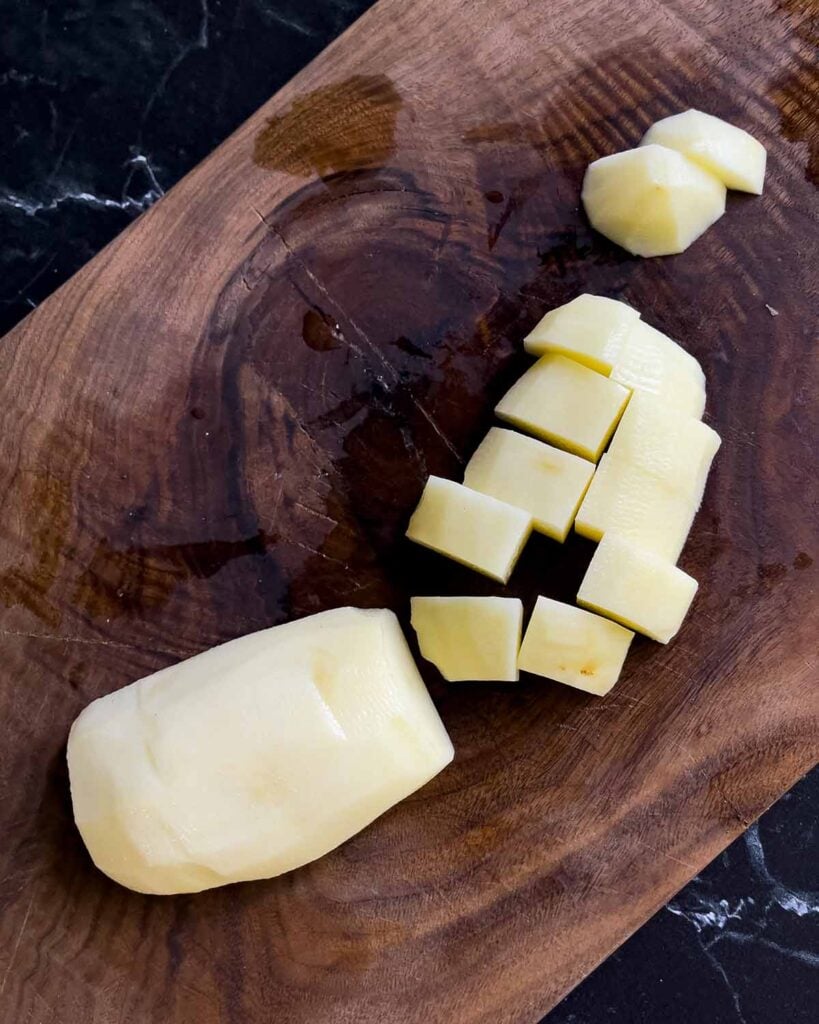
(105, 104)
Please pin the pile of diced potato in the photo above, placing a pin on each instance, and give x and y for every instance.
(260, 755)
(603, 377)
(657, 199)
(264, 753)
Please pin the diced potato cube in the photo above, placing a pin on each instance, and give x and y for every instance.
(570, 405)
(637, 588)
(545, 481)
(475, 638)
(650, 361)
(624, 499)
(653, 201)
(668, 444)
(479, 531)
(590, 329)
(728, 152)
(573, 646)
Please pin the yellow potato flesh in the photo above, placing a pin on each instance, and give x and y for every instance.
(665, 443)
(470, 638)
(574, 646)
(565, 403)
(255, 757)
(590, 329)
(651, 200)
(545, 481)
(634, 504)
(639, 589)
(653, 363)
(727, 152)
(472, 528)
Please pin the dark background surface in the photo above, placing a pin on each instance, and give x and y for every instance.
(105, 105)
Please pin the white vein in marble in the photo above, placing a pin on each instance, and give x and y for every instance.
(30, 206)
(744, 920)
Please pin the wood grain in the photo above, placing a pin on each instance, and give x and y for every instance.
(226, 418)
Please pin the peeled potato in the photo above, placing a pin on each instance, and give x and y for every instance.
(653, 201)
(471, 528)
(651, 363)
(255, 757)
(728, 152)
(565, 403)
(590, 329)
(574, 647)
(660, 440)
(474, 638)
(634, 504)
(545, 481)
(637, 588)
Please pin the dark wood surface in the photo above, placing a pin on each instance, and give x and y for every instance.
(225, 420)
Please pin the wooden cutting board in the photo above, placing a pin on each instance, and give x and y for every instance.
(224, 421)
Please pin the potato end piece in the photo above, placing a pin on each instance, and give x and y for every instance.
(652, 201)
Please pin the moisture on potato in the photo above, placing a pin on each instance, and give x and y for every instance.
(637, 588)
(472, 528)
(652, 201)
(565, 403)
(590, 329)
(727, 152)
(254, 757)
(470, 638)
(574, 647)
(545, 481)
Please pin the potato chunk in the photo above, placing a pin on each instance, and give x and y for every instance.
(651, 200)
(652, 362)
(639, 589)
(470, 638)
(255, 757)
(574, 646)
(472, 528)
(590, 329)
(565, 403)
(545, 481)
(626, 500)
(728, 152)
(666, 443)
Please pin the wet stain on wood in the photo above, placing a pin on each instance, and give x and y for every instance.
(27, 583)
(320, 331)
(796, 94)
(137, 579)
(342, 127)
